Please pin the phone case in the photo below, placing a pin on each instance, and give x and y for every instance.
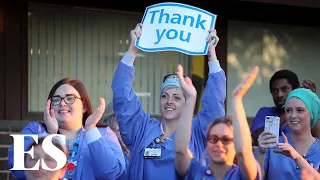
(272, 124)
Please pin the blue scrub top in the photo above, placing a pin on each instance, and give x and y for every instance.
(198, 172)
(139, 131)
(99, 155)
(280, 167)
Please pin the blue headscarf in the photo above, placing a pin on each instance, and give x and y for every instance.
(170, 81)
(310, 99)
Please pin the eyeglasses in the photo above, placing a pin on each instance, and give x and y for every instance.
(224, 139)
(68, 99)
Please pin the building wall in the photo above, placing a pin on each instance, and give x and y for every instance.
(271, 47)
(86, 45)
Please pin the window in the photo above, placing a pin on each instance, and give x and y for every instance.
(87, 44)
(271, 47)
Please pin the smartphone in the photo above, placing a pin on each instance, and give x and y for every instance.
(272, 124)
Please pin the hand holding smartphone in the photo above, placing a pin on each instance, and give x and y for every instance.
(272, 124)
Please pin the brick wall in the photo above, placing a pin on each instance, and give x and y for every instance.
(5, 143)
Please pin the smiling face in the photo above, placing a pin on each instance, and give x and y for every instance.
(220, 144)
(297, 115)
(68, 113)
(172, 102)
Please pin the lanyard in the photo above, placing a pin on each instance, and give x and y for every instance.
(71, 163)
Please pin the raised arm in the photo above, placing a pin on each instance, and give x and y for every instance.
(106, 153)
(214, 95)
(127, 108)
(308, 176)
(183, 155)
(242, 137)
(103, 149)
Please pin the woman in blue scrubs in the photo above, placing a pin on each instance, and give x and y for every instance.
(94, 153)
(302, 108)
(226, 139)
(151, 141)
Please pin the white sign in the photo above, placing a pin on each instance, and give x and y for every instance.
(47, 146)
(176, 27)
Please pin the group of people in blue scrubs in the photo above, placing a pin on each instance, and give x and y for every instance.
(175, 146)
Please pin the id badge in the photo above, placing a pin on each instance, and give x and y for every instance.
(152, 153)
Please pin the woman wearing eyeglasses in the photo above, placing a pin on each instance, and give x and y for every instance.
(298, 149)
(151, 141)
(226, 140)
(94, 153)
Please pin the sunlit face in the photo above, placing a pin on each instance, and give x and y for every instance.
(42, 174)
(172, 102)
(221, 153)
(68, 113)
(297, 115)
(280, 89)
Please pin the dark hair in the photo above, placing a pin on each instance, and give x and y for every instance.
(78, 85)
(290, 76)
(59, 145)
(109, 120)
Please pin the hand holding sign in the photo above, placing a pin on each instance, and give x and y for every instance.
(213, 40)
(134, 34)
